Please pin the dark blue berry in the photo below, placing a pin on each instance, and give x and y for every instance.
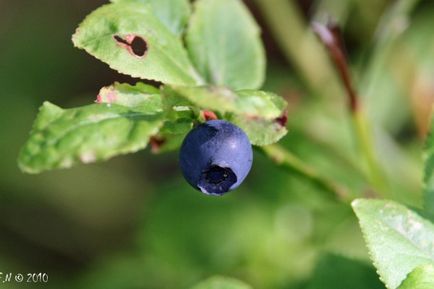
(216, 157)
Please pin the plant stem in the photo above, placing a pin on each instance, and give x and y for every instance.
(331, 37)
(300, 46)
(364, 139)
(290, 162)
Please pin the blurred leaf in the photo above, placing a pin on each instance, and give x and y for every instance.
(254, 103)
(128, 37)
(62, 138)
(260, 131)
(173, 13)
(398, 239)
(331, 268)
(222, 283)
(429, 171)
(224, 43)
(420, 278)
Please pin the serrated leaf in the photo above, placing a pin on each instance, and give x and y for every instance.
(399, 240)
(64, 137)
(420, 278)
(222, 283)
(172, 13)
(128, 37)
(224, 43)
(254, 103)
(429, 171)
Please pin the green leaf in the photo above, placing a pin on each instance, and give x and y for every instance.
(224, 43)
(260, 131)
(330, 269)
(137, 96)
(429, 171)
(254, 103)
(64, 137)
(173, 14)
(420, 278)
(222, 283)
(128, 37)
(399, 240)
(256, 112)
(172, 134)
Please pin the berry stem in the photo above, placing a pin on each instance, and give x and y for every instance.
(290, 162)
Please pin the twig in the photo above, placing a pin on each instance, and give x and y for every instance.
(290, 162)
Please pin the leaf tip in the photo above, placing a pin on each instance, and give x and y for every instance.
(356, 203)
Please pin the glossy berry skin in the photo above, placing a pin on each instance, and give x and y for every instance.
(216, 157)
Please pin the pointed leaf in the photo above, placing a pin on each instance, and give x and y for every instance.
(224, 43)
(173, 14)
(64, 137)
(222, 283)
(399, 240)
(128, 37)
(420, 278)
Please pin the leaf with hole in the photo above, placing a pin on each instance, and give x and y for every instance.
(127, 36)
(173, 14)
(398, 239)
(224, 43)
(62, 138)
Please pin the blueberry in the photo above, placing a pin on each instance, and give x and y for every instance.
(216, 157)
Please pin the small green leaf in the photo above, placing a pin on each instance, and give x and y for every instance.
(256, 112)
(429, 171)
(172, 13)
(224, 43)
(260, 131)
(254, 103)
(172, 134)
(138, 96)
(128, 37)
(399, 240)
(420, 278)
(222, 283)
(64, 137)
(178, 126)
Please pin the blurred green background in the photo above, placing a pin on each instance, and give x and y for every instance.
(133, 222)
